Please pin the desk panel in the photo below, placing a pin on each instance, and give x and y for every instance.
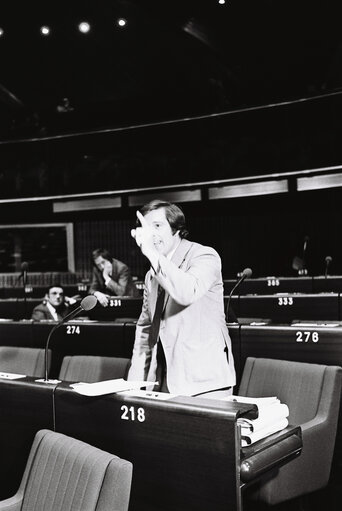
(300, 342)
(289, 307)
(74, 338)
(119, 307)
(17, 308)
(327, 284)
(184, 450)
(16, 333)
(39, 291)
(270, 285)
(82, 338)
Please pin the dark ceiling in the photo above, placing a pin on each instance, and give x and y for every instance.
(172, 59)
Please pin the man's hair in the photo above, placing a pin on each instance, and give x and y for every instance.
(101, 252)
(54, 285)
(173, 213)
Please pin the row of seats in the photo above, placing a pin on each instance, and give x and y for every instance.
(312, 393)
(89, 369)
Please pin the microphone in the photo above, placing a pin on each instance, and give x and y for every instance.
(306, 239)
(246, 274)
(86, 304)
(328, 260)
(23, 275)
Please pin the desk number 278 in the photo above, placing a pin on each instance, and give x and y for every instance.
(131, 414)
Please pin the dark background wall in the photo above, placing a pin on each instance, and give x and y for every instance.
(263, 233)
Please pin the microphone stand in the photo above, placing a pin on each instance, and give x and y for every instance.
(328, 260)
(86, 304)
(24, 286)
(246, 273)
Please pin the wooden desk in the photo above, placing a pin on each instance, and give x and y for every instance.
(185, 451)
(288, 307)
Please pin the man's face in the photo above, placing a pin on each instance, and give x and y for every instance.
(163, 238)
(102, 263)
(56, 296)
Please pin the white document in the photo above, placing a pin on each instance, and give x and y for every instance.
(264, 432)
(12, 376)
(160, 396)
(101, 388)
(267, 416)
(261, 402)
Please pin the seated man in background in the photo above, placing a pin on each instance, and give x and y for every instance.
(110, 277)
(55, 305)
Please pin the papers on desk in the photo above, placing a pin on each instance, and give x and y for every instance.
(12, 376)
(101, 388)
(272, 417)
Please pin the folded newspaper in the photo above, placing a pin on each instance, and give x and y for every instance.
(272, 417)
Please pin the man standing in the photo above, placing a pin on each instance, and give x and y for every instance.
(110, 277)
(54, 306)
(181, 340)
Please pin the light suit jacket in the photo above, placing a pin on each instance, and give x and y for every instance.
(193, 329)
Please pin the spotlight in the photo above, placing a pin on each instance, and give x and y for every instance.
(44, 30)
(84, 27)
(121, 22)
(221, 2)
(1, 32)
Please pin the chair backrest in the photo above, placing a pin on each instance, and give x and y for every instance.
(312, 393)
(28, 361)
(297, 384)
(68, 474)
(90, 369)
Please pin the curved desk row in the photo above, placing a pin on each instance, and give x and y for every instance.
(73, 338)
(286, 307)
(185, 451)
(268, 285)
(119, 307)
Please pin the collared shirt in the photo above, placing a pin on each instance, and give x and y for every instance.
(52, 311)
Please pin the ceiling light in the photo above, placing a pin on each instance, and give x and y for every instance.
(121, 22)
(1, 32)
(44, 30)
(221, 2)
(84, 27)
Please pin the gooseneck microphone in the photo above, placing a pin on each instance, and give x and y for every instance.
(23, 275)
(305, 246)
(246, 274)
(86, 304)
(328, 260)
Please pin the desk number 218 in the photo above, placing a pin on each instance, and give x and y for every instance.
(130, 414)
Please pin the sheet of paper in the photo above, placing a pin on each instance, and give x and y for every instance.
(108, 386)
(12, 376)
(161, 396)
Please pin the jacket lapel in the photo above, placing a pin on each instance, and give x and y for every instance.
(178, 258)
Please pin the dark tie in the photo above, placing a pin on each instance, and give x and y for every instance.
(155, 325)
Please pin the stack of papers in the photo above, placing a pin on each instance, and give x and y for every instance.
(108, 386)
(272, 417)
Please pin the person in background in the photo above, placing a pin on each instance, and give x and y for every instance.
(54, 307)
(110, 277)
(182, 341)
